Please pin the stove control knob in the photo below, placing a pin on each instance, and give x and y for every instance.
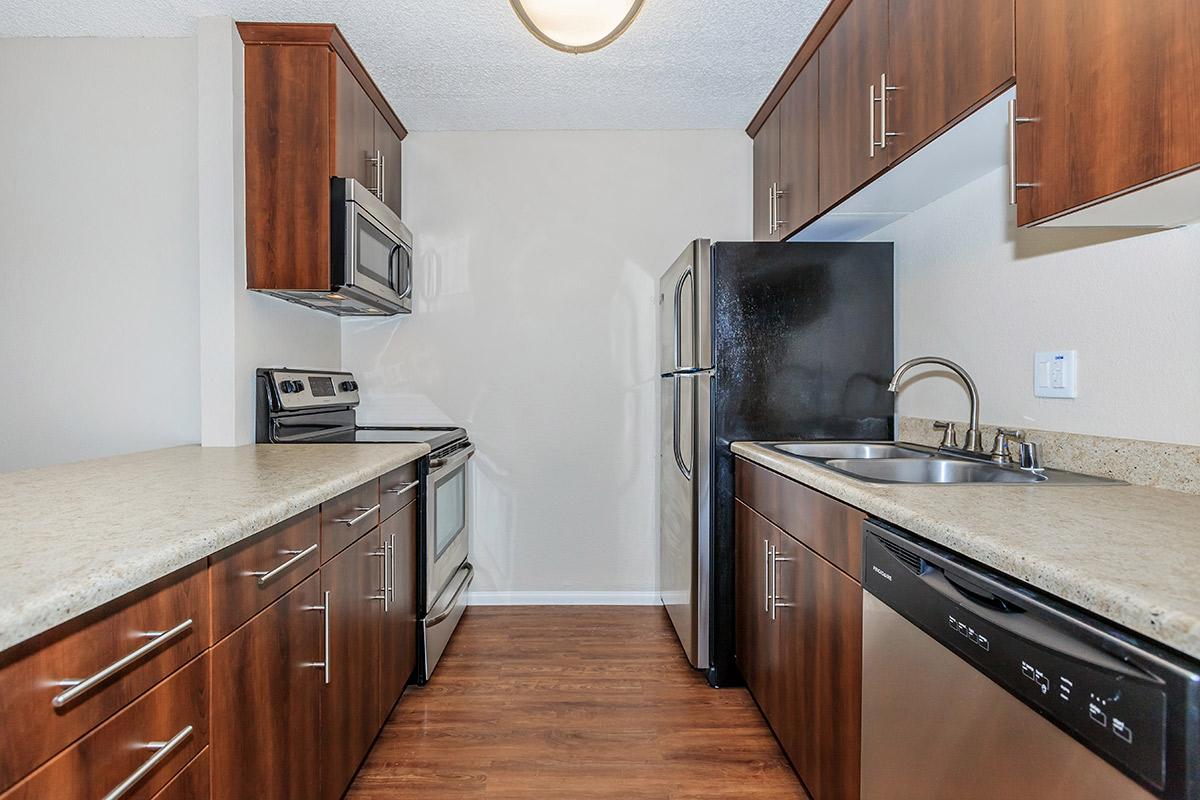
(288, 387)
(348, 386)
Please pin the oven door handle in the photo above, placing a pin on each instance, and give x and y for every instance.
(437, 465)
(434, 619)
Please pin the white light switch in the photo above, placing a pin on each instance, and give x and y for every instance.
(1055, 374)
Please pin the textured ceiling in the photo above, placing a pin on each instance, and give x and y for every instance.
(471, 65)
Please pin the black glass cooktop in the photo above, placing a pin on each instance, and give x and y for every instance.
(435, 437)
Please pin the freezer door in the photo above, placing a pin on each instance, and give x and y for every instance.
(685, 311)
(684, 517)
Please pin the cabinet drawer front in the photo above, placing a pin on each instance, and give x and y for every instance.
(249, 576)
(827, 526)
(397, 489)
(190, 784)
(116, 641)
(347, 517)
(173, 717)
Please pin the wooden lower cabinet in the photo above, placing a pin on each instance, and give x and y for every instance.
(816, 694)
(265, 710)
(192, 782)
(799, 646)
(398, 635)
(352, 585)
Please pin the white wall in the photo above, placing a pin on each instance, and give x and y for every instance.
(240, 330)
(98, 309)
(538, 257)
(974, 288)
(124, 317)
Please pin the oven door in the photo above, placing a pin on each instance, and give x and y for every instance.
(374, 251)
(447, 521)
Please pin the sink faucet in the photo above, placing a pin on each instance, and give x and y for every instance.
(972, 442)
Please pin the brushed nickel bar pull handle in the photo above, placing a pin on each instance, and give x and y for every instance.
(779, 223)
(392, 568)
(161, 751)
(774, 582)
(775, 559)
(383, 177)
(381, 554)
(399, 490)
(766, 575)
(871, 117)
(82, 687)
(1013, 122)
(326, 612)
(883, 126)
(296, 557)
(366, 512)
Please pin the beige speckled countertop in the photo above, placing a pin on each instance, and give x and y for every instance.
(78, 535)
(1130, 554)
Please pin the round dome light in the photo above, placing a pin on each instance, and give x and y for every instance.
(577, 26)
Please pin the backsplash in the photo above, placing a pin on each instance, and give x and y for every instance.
(1164, 466)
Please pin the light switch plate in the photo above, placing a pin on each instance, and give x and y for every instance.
(1056, 374)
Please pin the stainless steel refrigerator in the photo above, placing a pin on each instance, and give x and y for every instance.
(757, 341)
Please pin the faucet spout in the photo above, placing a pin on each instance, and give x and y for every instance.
(973, 439)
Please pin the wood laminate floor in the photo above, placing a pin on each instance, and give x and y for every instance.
(570, 702)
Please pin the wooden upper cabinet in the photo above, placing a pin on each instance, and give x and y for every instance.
(387, 145)
(354, 129)
(766, 177)
(1110, 86)
(946, 58)
(312, 114)
(852, 59)
(799, 130)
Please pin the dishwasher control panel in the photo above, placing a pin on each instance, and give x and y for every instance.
(1110, 695)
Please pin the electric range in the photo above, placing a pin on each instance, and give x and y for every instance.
(302, 406)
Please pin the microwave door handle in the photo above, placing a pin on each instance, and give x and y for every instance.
(408, 284)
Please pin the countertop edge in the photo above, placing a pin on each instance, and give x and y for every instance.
(1146, 619)
(59, 604)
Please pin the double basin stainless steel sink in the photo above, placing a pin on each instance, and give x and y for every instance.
(901, 462)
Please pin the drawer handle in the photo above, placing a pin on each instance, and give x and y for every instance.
(161, 751)
(399, 490)
(296, 556)
(366, 512)
(87, 684)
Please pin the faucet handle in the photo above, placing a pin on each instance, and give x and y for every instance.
(950, 437)
(1000, 447)
(1031, 455)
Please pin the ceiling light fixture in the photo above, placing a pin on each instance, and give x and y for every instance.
(577, 26)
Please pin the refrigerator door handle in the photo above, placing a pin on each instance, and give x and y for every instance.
(687, 473)
(687, 273)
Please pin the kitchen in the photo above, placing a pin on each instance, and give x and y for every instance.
(1017, 174)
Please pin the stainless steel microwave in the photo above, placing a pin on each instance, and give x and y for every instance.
(370, 257)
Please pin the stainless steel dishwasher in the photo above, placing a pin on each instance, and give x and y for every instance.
(976, 687)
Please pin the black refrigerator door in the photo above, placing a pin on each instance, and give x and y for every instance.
(803, 349)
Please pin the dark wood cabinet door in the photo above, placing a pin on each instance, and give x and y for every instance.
(816, 694)
(387, 142)
(851, 60)
(766, 176)
(753, 538)
(352, 583)
(1111, 85)
(267, 690)
(398, 639)
(799, 130)
(946, 58)
(353, 128)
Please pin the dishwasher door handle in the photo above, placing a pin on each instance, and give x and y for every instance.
(1028, 627)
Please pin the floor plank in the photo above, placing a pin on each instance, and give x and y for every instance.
(569, 702)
